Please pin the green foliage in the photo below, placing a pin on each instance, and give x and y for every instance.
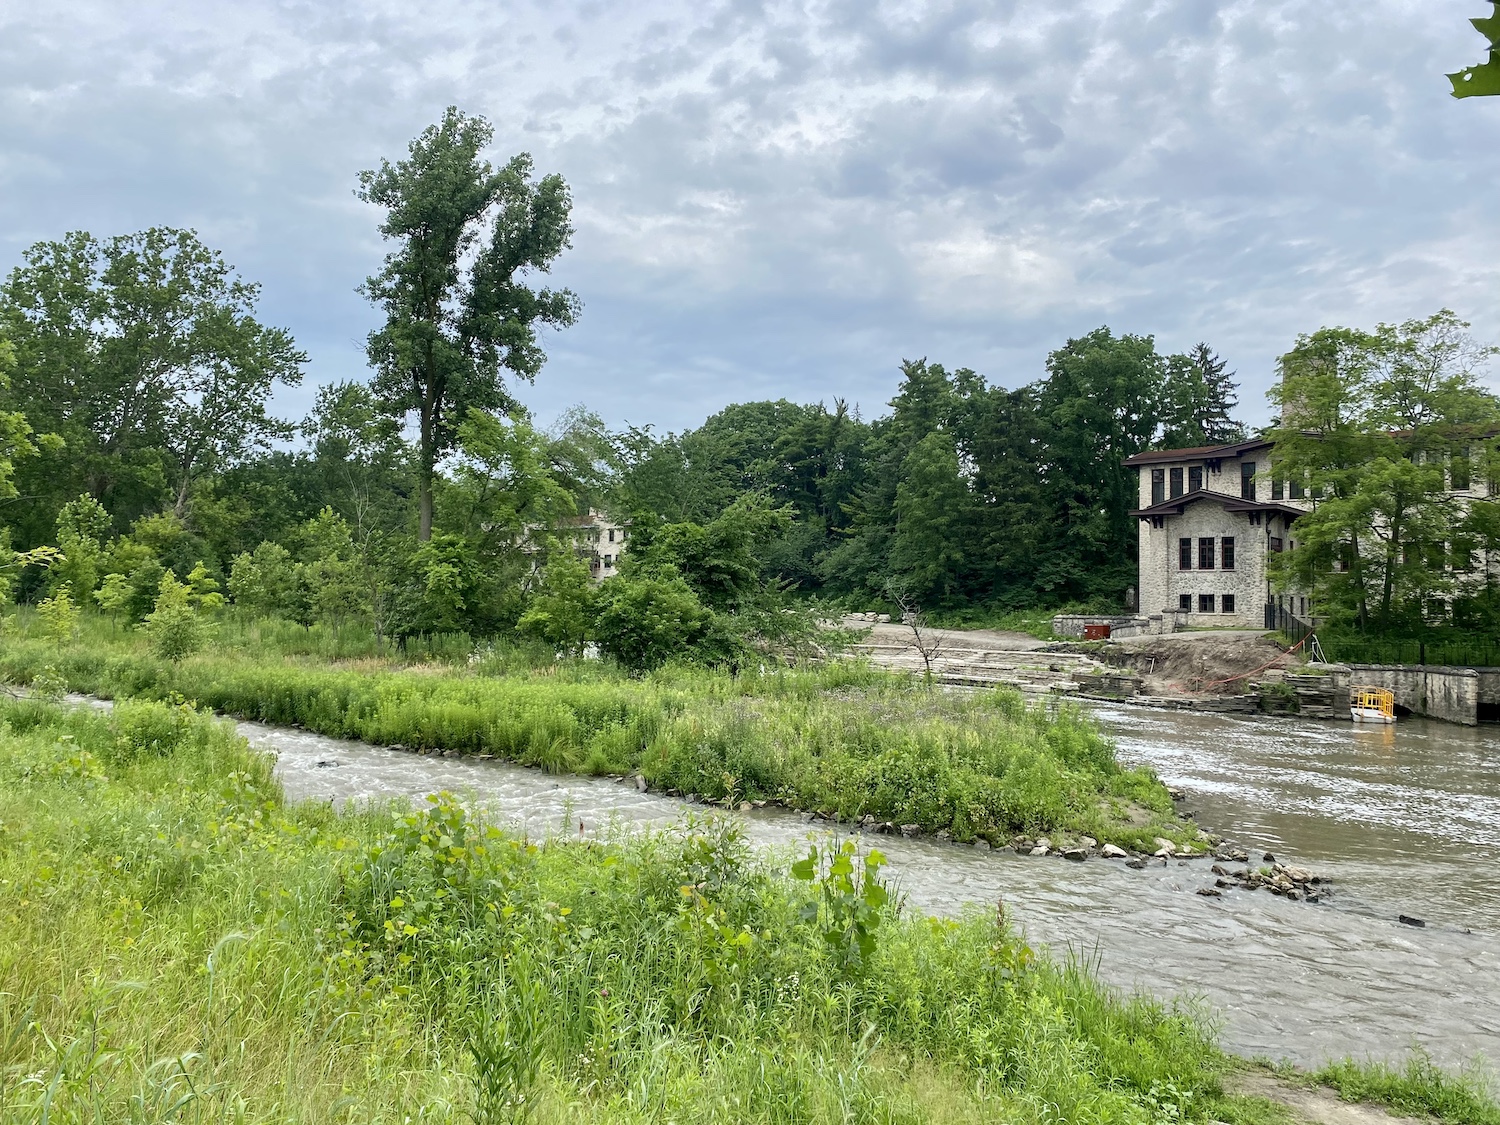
(264, 583)
(934, 524)
(143, 353)
(1198, 401)
(15, 431)
(841, 739)
(59, 615)
(852, 899)
(173, 624)
(1482, 80)
(145, 585)
(1376, 426)
(459, 315)
(1101, 403)
(644, 621)
(561, 612)
(397, 962)
(82, 528)
(1417, 1088)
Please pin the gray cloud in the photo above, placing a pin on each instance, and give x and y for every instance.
(787, 198)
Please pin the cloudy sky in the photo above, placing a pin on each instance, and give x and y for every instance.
(786, 199)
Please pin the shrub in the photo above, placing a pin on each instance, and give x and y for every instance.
(645, 622)
(173, 625)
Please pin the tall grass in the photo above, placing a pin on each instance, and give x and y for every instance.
(179, 945)
(1415, 1087)
(843, 738)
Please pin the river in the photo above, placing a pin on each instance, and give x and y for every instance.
(1405, 821)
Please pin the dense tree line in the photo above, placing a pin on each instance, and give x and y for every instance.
(966, 494)
(147, 479)
(142, 475)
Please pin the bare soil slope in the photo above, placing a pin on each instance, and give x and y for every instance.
(1191, 663)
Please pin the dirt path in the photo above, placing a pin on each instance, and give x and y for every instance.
(1311, 1105)
(953, 640)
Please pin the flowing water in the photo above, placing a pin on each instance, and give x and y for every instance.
(1405, 821)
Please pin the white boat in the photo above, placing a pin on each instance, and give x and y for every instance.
(1372, 705)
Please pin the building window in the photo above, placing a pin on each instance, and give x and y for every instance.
(1184, 554)
(1277, 490)
(1247, 480)
(1195, 478)
(1254, 519)
(1185, 602)
(1176, 483)
(1294, 487)
(1206, 553)
(1158, 522)
(1276, 544)
(609, 560)
(1158, 485)
(1226, 604)
(1304, 607)
(1226, 553)
(1205, 603)
(1458, 470)
(611, 535)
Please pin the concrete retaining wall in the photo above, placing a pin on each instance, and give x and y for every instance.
(1489, 686)
(1451, 694)
(1071, 625)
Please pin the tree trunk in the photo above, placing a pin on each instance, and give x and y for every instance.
(427, 456)
(1392, 557)
(424, 506)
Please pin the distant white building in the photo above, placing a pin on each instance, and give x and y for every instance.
(1210, 519)
(599, 539)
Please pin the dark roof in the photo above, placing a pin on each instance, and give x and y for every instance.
(1177, 505)
(1198, 452)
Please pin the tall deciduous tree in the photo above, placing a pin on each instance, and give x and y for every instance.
(15, 430)
(144, 353)
(459, 315)
(1375, 427)
(1098, 405)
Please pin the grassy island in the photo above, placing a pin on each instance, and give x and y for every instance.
(843, 738)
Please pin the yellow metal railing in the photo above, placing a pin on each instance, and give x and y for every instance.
(1375, 699)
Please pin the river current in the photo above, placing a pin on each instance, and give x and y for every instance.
(1404, 821)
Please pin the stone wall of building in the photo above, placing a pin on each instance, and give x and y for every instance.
(1163, 582)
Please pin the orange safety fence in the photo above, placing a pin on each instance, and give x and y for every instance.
(1203, 688)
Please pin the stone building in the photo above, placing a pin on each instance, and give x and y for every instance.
(600, 540)
(1210, 518)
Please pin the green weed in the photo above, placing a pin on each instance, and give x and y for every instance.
(177, 944)
(841, 738)
(1417, 1087)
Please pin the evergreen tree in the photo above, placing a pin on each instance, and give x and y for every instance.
(1198, 401)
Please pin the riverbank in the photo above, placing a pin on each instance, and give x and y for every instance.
(311, 963)
(844, 740)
